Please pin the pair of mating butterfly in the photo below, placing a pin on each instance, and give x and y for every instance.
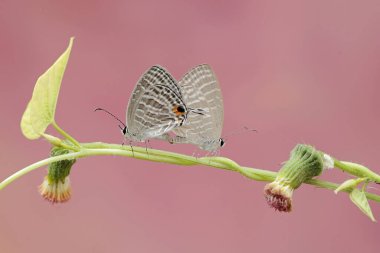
(192, 109)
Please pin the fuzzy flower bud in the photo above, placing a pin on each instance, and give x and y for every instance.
(56, 186)
(305, 162)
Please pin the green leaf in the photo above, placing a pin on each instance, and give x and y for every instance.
(360, 200)
(39, 113)
(349, 184)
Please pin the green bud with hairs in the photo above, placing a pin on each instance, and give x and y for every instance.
(56, 186)
(305, 162)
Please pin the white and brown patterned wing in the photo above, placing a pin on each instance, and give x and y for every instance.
(201, 89)
(156, 105)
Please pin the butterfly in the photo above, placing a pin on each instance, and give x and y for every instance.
(155, 107)
(200, 89)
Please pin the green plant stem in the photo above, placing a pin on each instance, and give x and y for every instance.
(101, 149)
(59, 143)
(64, 134)
(37, 165)
(357, 170)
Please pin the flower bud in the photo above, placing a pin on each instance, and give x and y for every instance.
(305, 162)
(52, 139)
(56, 186)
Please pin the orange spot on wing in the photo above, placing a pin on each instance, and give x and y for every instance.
(178, 113)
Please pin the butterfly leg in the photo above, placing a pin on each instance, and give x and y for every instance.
(130, 144)
(215, 152)
(209, 155)
(195, 154)
(149, 145)
(146, 147)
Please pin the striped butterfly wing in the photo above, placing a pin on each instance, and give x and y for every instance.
(201, 89)
(152, 107)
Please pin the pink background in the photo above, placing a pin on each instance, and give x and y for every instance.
(298, 71)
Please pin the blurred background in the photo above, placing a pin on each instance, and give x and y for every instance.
(297, 71)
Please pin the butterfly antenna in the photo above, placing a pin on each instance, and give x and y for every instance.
(244, 130)
(101, 109)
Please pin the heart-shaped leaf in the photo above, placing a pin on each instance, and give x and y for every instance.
(360, 200)
(39, 113)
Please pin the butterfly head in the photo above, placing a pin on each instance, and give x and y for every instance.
(212, 145)
(222, 142)
(124, 130)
